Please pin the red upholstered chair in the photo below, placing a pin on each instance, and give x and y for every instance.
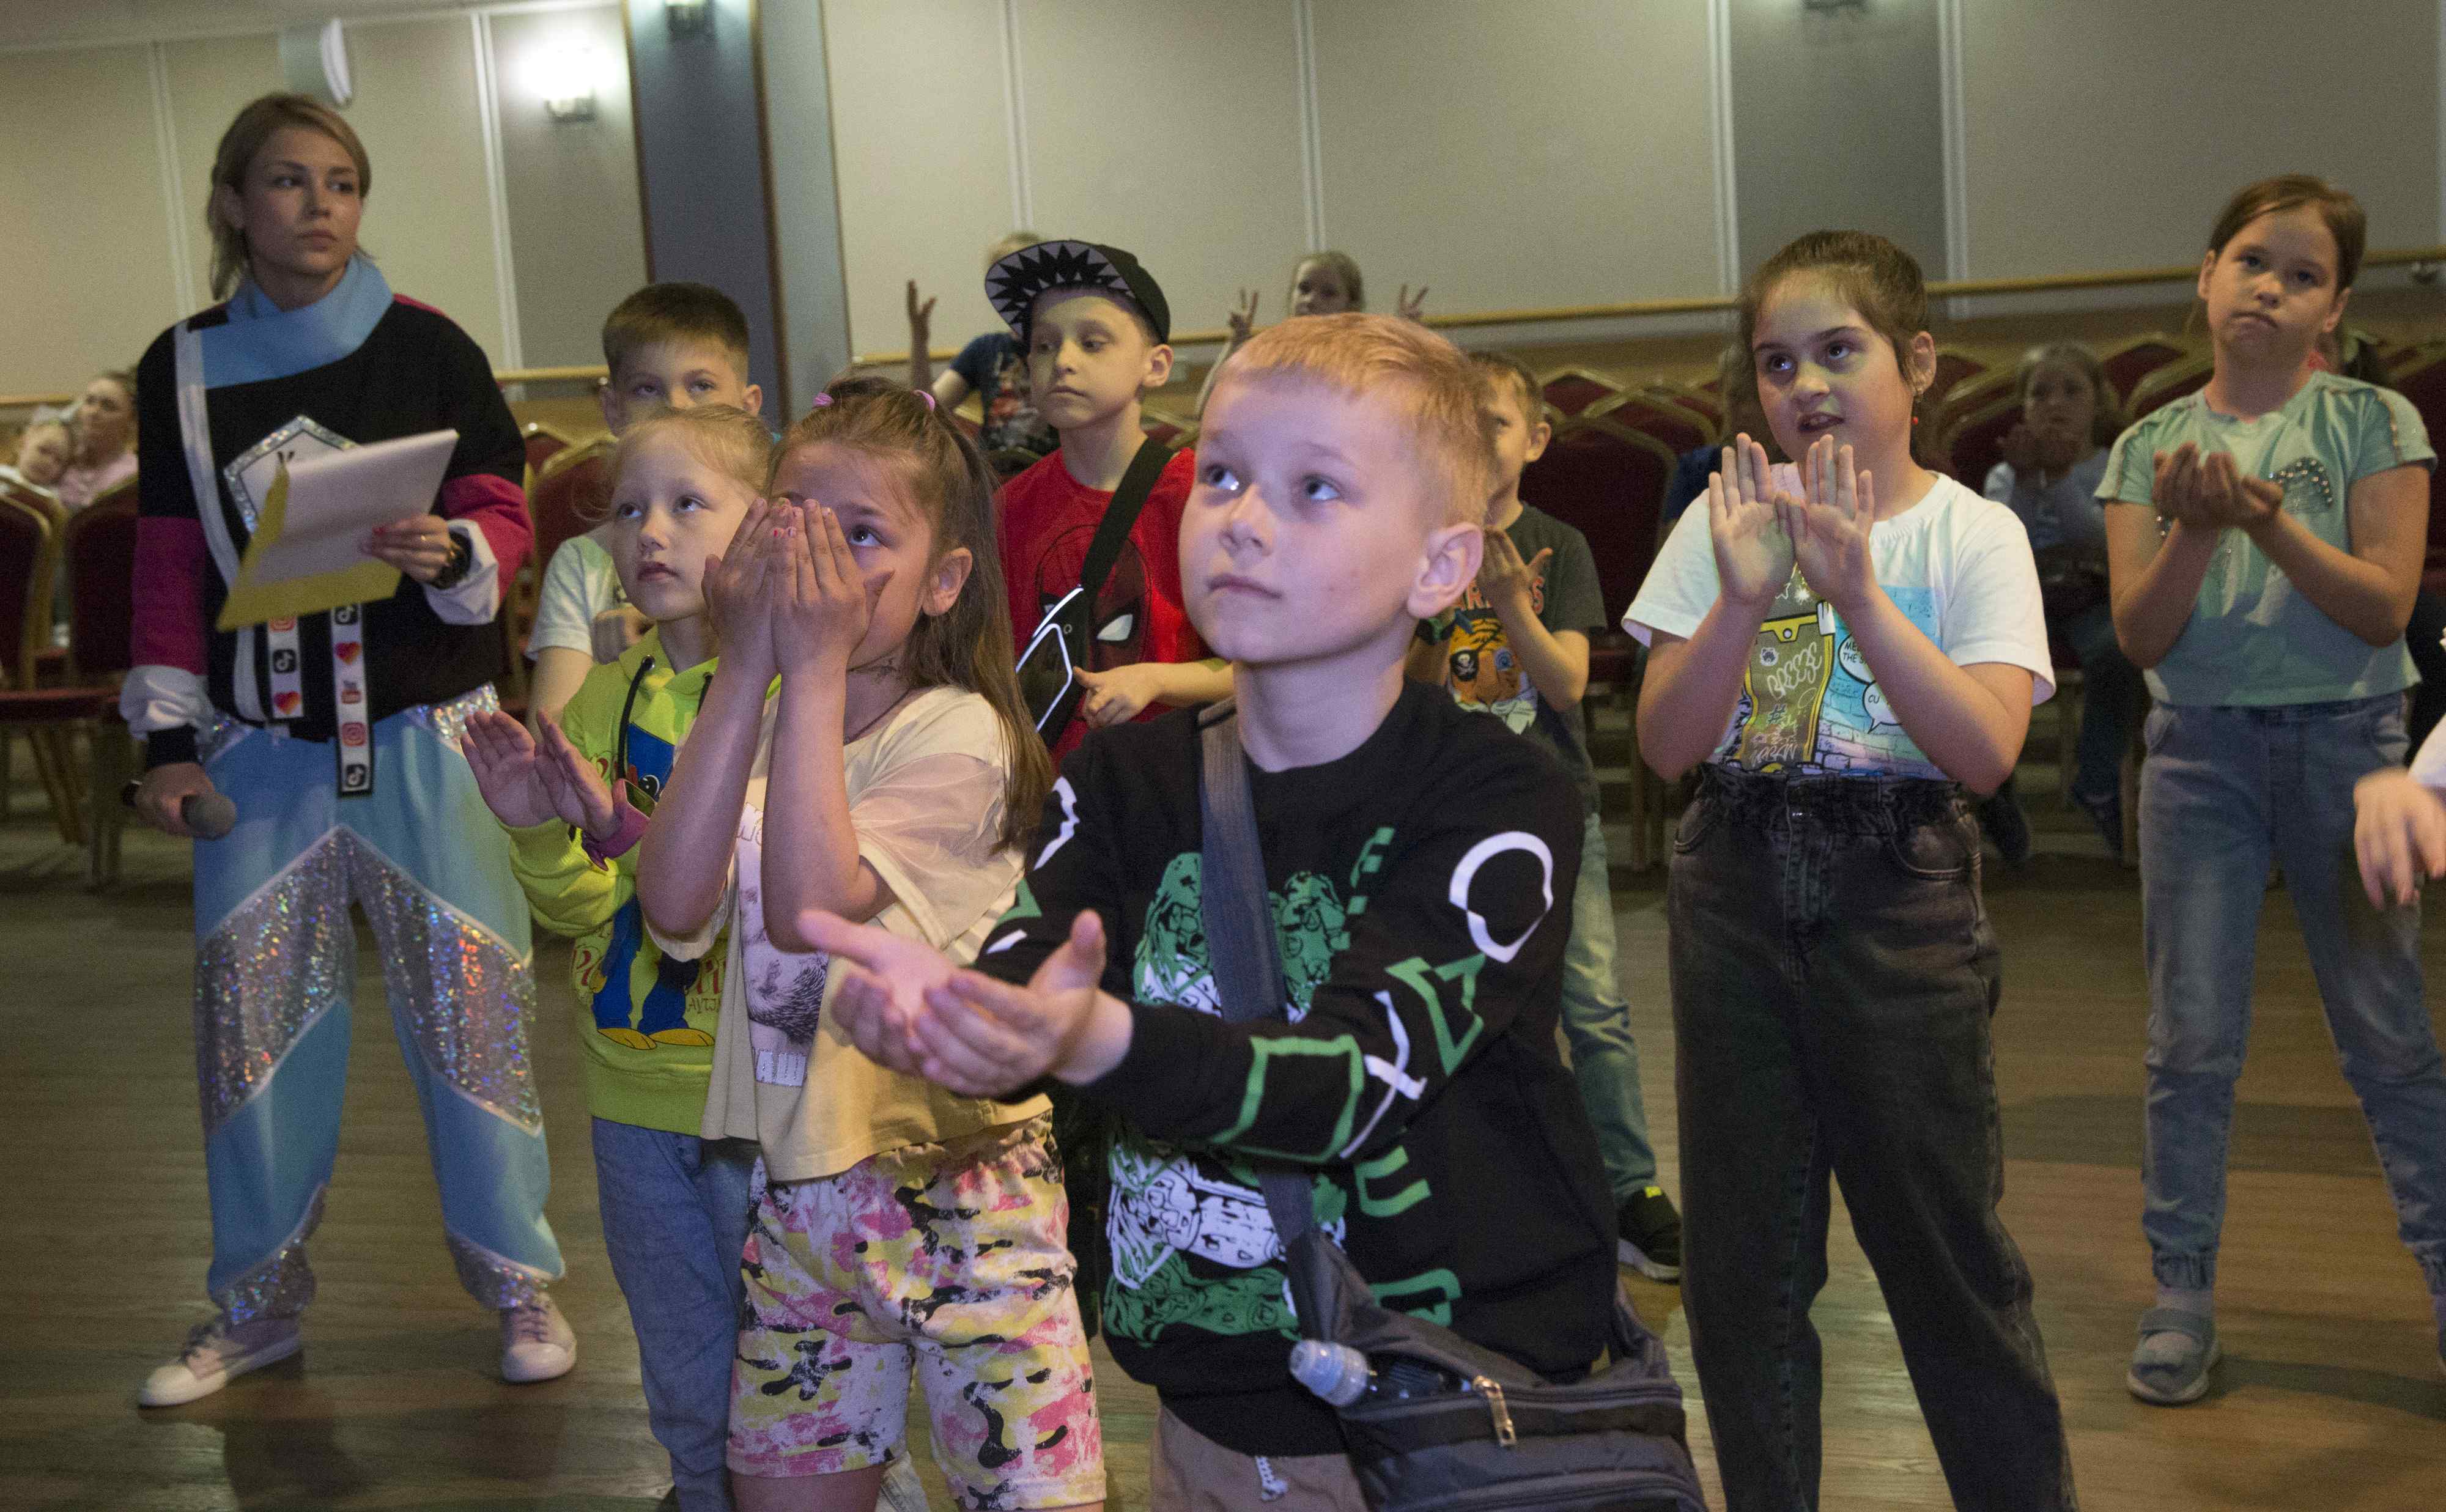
(1608, 481)
(2169, 384)
(1658, 410)
(2125, 365)
(542, 442)
(1951, 367)
(1574, 389)
(1171, 429)
(29, 567)
(99, 547)
(568, 495)
(2420, 376)
(1973, 442)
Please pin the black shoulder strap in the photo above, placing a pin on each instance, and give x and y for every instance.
(1239, 923)
(1122, 512)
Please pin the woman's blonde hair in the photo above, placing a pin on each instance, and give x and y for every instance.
(253, 125)
(968, 646)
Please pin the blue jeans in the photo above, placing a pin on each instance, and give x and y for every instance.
(2113, 694)
(1833, 975)
(675, 1210)
(1596, 1024)
(2225, 791)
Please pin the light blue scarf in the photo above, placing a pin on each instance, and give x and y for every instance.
(262, 341)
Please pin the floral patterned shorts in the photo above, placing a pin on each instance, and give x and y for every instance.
(947, 1259)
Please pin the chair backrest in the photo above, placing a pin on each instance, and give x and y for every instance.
(38, 498)
(2421, 375)
(571, 495)
(99, 545)
(1657, 411)
(29, 565)
(2125, 365)
(1974, 443)
(542, 442)
(2171, 383)
(1572, 390)
(1607, 481)
(1951, 367)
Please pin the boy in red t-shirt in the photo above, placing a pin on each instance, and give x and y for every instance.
(1094, 324)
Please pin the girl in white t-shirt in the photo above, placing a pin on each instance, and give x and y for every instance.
(1841, 650)
(892, 778)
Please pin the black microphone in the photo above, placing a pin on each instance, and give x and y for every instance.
(209, 815)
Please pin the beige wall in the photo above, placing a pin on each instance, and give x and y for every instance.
(91, 278)
(2101, 134)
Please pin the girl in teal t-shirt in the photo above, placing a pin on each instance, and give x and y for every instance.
(2264, 540)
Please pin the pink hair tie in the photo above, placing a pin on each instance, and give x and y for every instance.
(821, 399)
(928, 395)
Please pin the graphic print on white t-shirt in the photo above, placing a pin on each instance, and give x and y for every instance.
(1809, 700)
(785, 989)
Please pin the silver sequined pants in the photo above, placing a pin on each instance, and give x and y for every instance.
(276, 961)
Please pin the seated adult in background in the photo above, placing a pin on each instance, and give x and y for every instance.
(1736, 382)
(45, 447)
(2054, 460)
(106, 435)
(993, 366)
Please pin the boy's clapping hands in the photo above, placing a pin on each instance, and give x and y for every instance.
(905, 1006)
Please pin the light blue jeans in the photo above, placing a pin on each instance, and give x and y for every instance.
(1596, 1024)
(675, 1210)
(2225, 791)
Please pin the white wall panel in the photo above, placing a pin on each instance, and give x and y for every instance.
(82, 255)
(2103, 134)
(922, 151)
(1516, 156)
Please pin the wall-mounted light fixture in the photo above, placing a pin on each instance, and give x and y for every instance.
(564, 75)
(688, 18)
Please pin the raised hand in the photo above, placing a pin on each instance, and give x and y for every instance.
(1753, 552)
(921, 317)
(821, 605)
(1503, 579)
(734, 593)
(1411, 307)
(1243, 318)
(2398, 835)
(1830, 524)
(579, 793)
(509, 772)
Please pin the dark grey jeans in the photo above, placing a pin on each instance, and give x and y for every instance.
(1834, 973)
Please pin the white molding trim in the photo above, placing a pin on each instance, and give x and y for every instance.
(1955, 137)
(1720, 109)
(496, 197)
(138, 37)
(1014, 99)
(173, 191)
(1312, 121)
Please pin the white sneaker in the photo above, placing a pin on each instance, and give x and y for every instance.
(536, 1343)
(217, 1354)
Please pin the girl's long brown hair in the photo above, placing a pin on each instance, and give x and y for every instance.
(968, 644)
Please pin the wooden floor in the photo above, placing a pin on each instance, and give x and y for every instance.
(2331, 1396)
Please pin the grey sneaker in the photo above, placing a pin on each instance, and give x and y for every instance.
(2177, 1352)
(217, 1354)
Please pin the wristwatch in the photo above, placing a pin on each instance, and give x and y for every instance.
(454, 571)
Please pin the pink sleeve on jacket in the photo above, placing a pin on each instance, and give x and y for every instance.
(170, 628)
(498, 508)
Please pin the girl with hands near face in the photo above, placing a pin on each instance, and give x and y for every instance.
(1840, 650)
(859, 780)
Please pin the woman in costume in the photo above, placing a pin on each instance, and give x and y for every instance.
(334, 734)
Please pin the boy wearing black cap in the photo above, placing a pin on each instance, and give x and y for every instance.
(1094, 324)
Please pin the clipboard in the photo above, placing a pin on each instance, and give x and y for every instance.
(306, 556)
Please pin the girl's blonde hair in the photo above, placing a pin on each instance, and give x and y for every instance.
(1345, 267)
(2107, 424)
(724, 438)
(968, 646)
(253, 125)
